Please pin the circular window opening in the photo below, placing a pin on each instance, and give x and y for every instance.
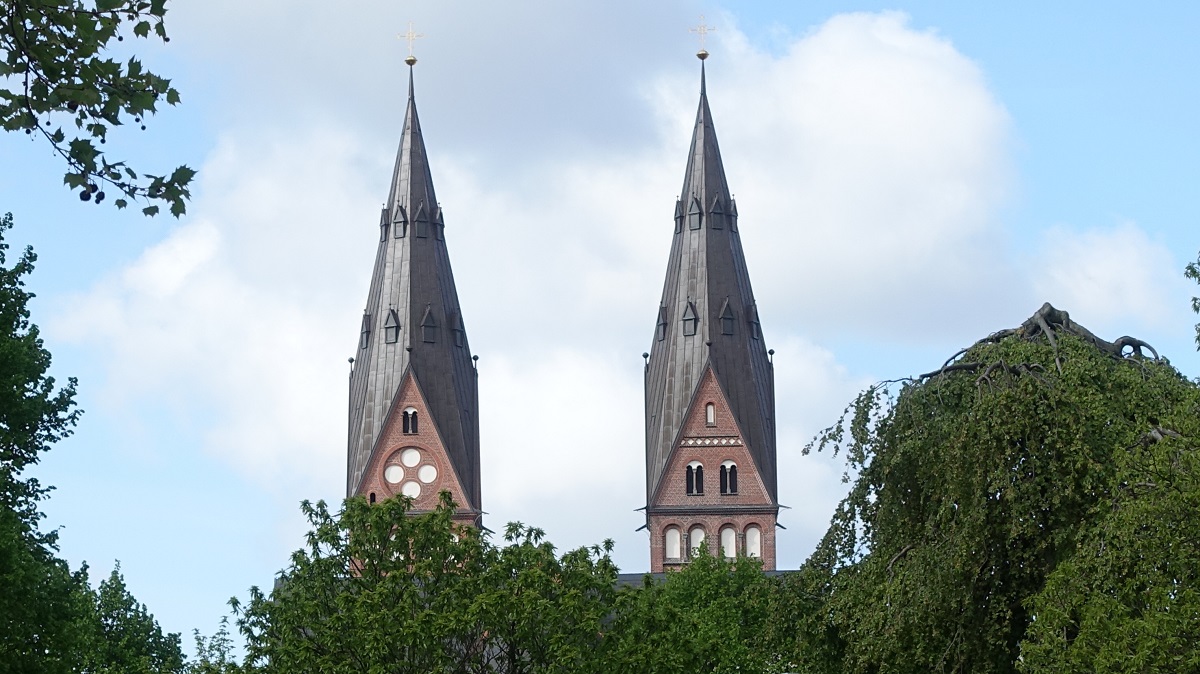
(411, 489)
(410, 457)
(427, 474)
(393, 474)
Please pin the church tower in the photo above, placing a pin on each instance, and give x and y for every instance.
(414, 402)
(710, 391)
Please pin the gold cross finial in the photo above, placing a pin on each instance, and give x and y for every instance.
(411, 36)
(702, 31)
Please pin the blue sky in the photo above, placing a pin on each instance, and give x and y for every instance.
(910, 177)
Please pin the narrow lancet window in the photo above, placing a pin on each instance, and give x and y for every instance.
(694, 478)
(729, 478)
(710, 414)
(391, 327)
(695, 214)
(690, 320)
(428, 326)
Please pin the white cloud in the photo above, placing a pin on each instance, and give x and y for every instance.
(1115, 278)
(868, 160)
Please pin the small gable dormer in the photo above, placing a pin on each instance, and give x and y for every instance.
(727, 318)
(716, 218)
(400, 222)
(391, 327)
(421, 222)
(429, 326)
(733, 214)
(695, 214)
(456, 330)
(690, 320)
(383, 224)
(752, 319)
(661, 328)
(439, 225)
(364, 335)
(678, 215)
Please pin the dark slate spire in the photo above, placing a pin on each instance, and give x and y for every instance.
(707, 317)
(411, 300)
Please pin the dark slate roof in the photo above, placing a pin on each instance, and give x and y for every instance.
(707, 271)
(412, 278)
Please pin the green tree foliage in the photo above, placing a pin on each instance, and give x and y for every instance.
(50, 619)
(379, 590)
(41, 599)
(56, 70)
(215, 654)
(1192, 271)
(1009, 503)
(124, 637)
(712, 616)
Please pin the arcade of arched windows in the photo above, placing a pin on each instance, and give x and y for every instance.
(681, 544)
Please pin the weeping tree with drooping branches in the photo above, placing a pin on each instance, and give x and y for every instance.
(1003, 504)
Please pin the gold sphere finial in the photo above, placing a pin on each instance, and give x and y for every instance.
(702, 54)
(410, 60)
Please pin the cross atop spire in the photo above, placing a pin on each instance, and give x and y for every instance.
(411, 36)
(702, 32)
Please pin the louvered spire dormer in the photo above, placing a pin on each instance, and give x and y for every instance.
(405, 370)
(709, 383)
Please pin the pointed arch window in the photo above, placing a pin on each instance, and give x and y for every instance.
(364, 337)
(428, 326)
(391, 327)
(421, 222)
(727, 318)
(690, 319)
(695, 214)
(729, 482)
(661, 329)
(410, 420)
(400, 222)
(673, 543)
(716, 217)
(752, 319)
(694, 479)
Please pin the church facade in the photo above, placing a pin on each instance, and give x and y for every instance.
(709, 379)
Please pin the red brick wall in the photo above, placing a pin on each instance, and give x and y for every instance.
(711, 445)
(393, 440)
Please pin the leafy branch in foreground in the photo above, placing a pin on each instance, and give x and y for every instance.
(55, 69)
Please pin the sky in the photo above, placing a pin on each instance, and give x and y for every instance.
(910, 177)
